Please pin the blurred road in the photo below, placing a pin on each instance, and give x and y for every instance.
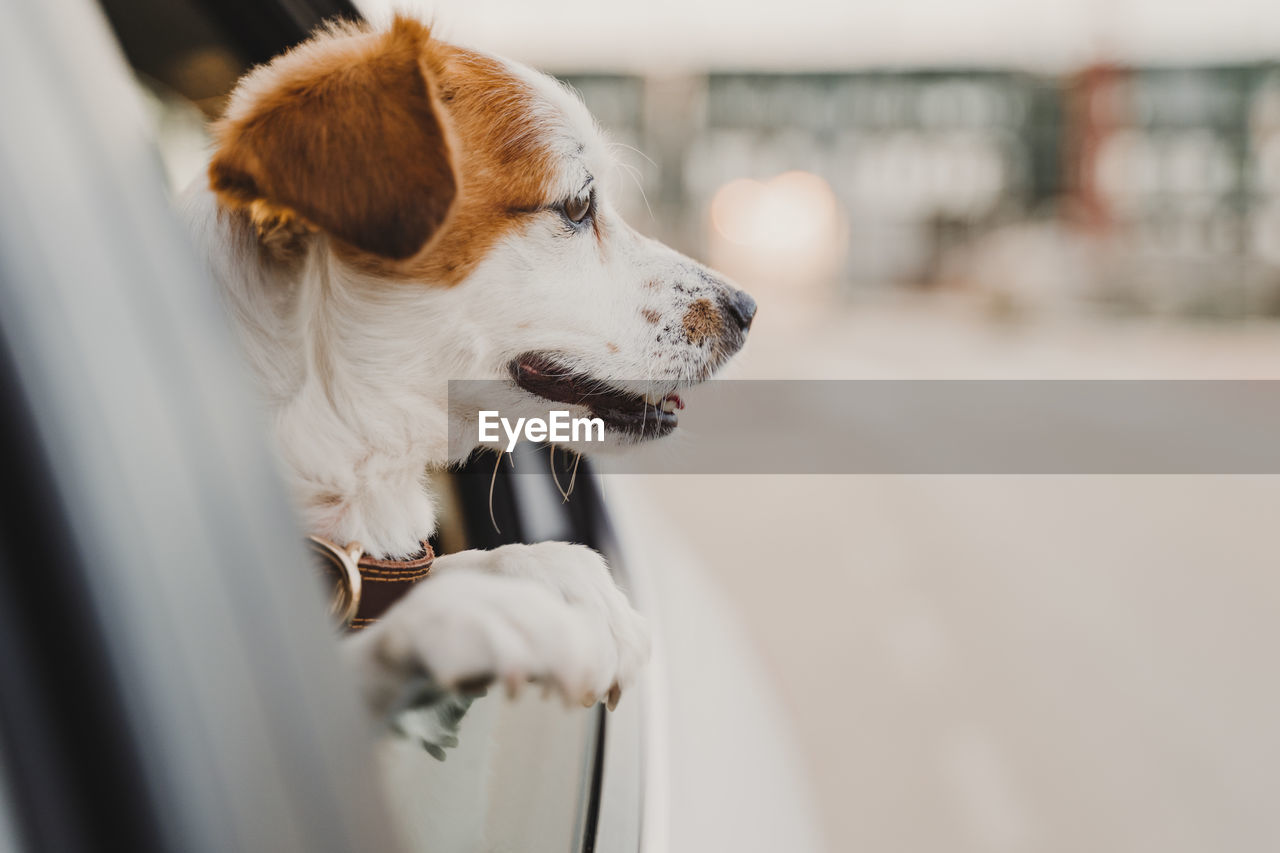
(1018, 663)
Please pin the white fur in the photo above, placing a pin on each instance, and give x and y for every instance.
(354, 371)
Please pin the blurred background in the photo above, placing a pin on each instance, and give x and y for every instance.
(976, 189)
(1119, 157)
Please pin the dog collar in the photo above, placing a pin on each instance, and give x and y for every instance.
(363, 587)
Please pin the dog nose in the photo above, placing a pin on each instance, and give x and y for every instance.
(742, 308)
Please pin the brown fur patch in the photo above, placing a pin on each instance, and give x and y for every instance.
(346, 139)
(611, 347)
(417, 155)
(701, 321)
(652, 316)
(503, 159)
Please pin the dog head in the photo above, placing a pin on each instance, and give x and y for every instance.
(468, 202)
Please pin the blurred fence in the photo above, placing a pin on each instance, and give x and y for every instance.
(1142, 189)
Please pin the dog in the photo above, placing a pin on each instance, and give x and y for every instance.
(385, 212)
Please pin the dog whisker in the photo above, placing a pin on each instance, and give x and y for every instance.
(492, 482)
(616, 144)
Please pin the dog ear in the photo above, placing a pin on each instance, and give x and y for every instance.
(344, 135)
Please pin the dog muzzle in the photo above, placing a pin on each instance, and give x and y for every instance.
(362, 588)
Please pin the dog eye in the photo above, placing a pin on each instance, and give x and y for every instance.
(577, 209)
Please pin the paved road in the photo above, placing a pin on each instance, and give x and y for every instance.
(1033, 663)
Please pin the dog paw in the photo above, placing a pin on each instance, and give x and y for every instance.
(579, 577)
(459, 632)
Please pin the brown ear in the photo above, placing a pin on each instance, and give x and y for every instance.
(342, 133)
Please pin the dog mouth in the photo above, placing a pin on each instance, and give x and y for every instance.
(637, 414)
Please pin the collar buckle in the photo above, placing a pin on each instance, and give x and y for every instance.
(342, 566)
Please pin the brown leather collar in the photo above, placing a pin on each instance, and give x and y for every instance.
(363, 586)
